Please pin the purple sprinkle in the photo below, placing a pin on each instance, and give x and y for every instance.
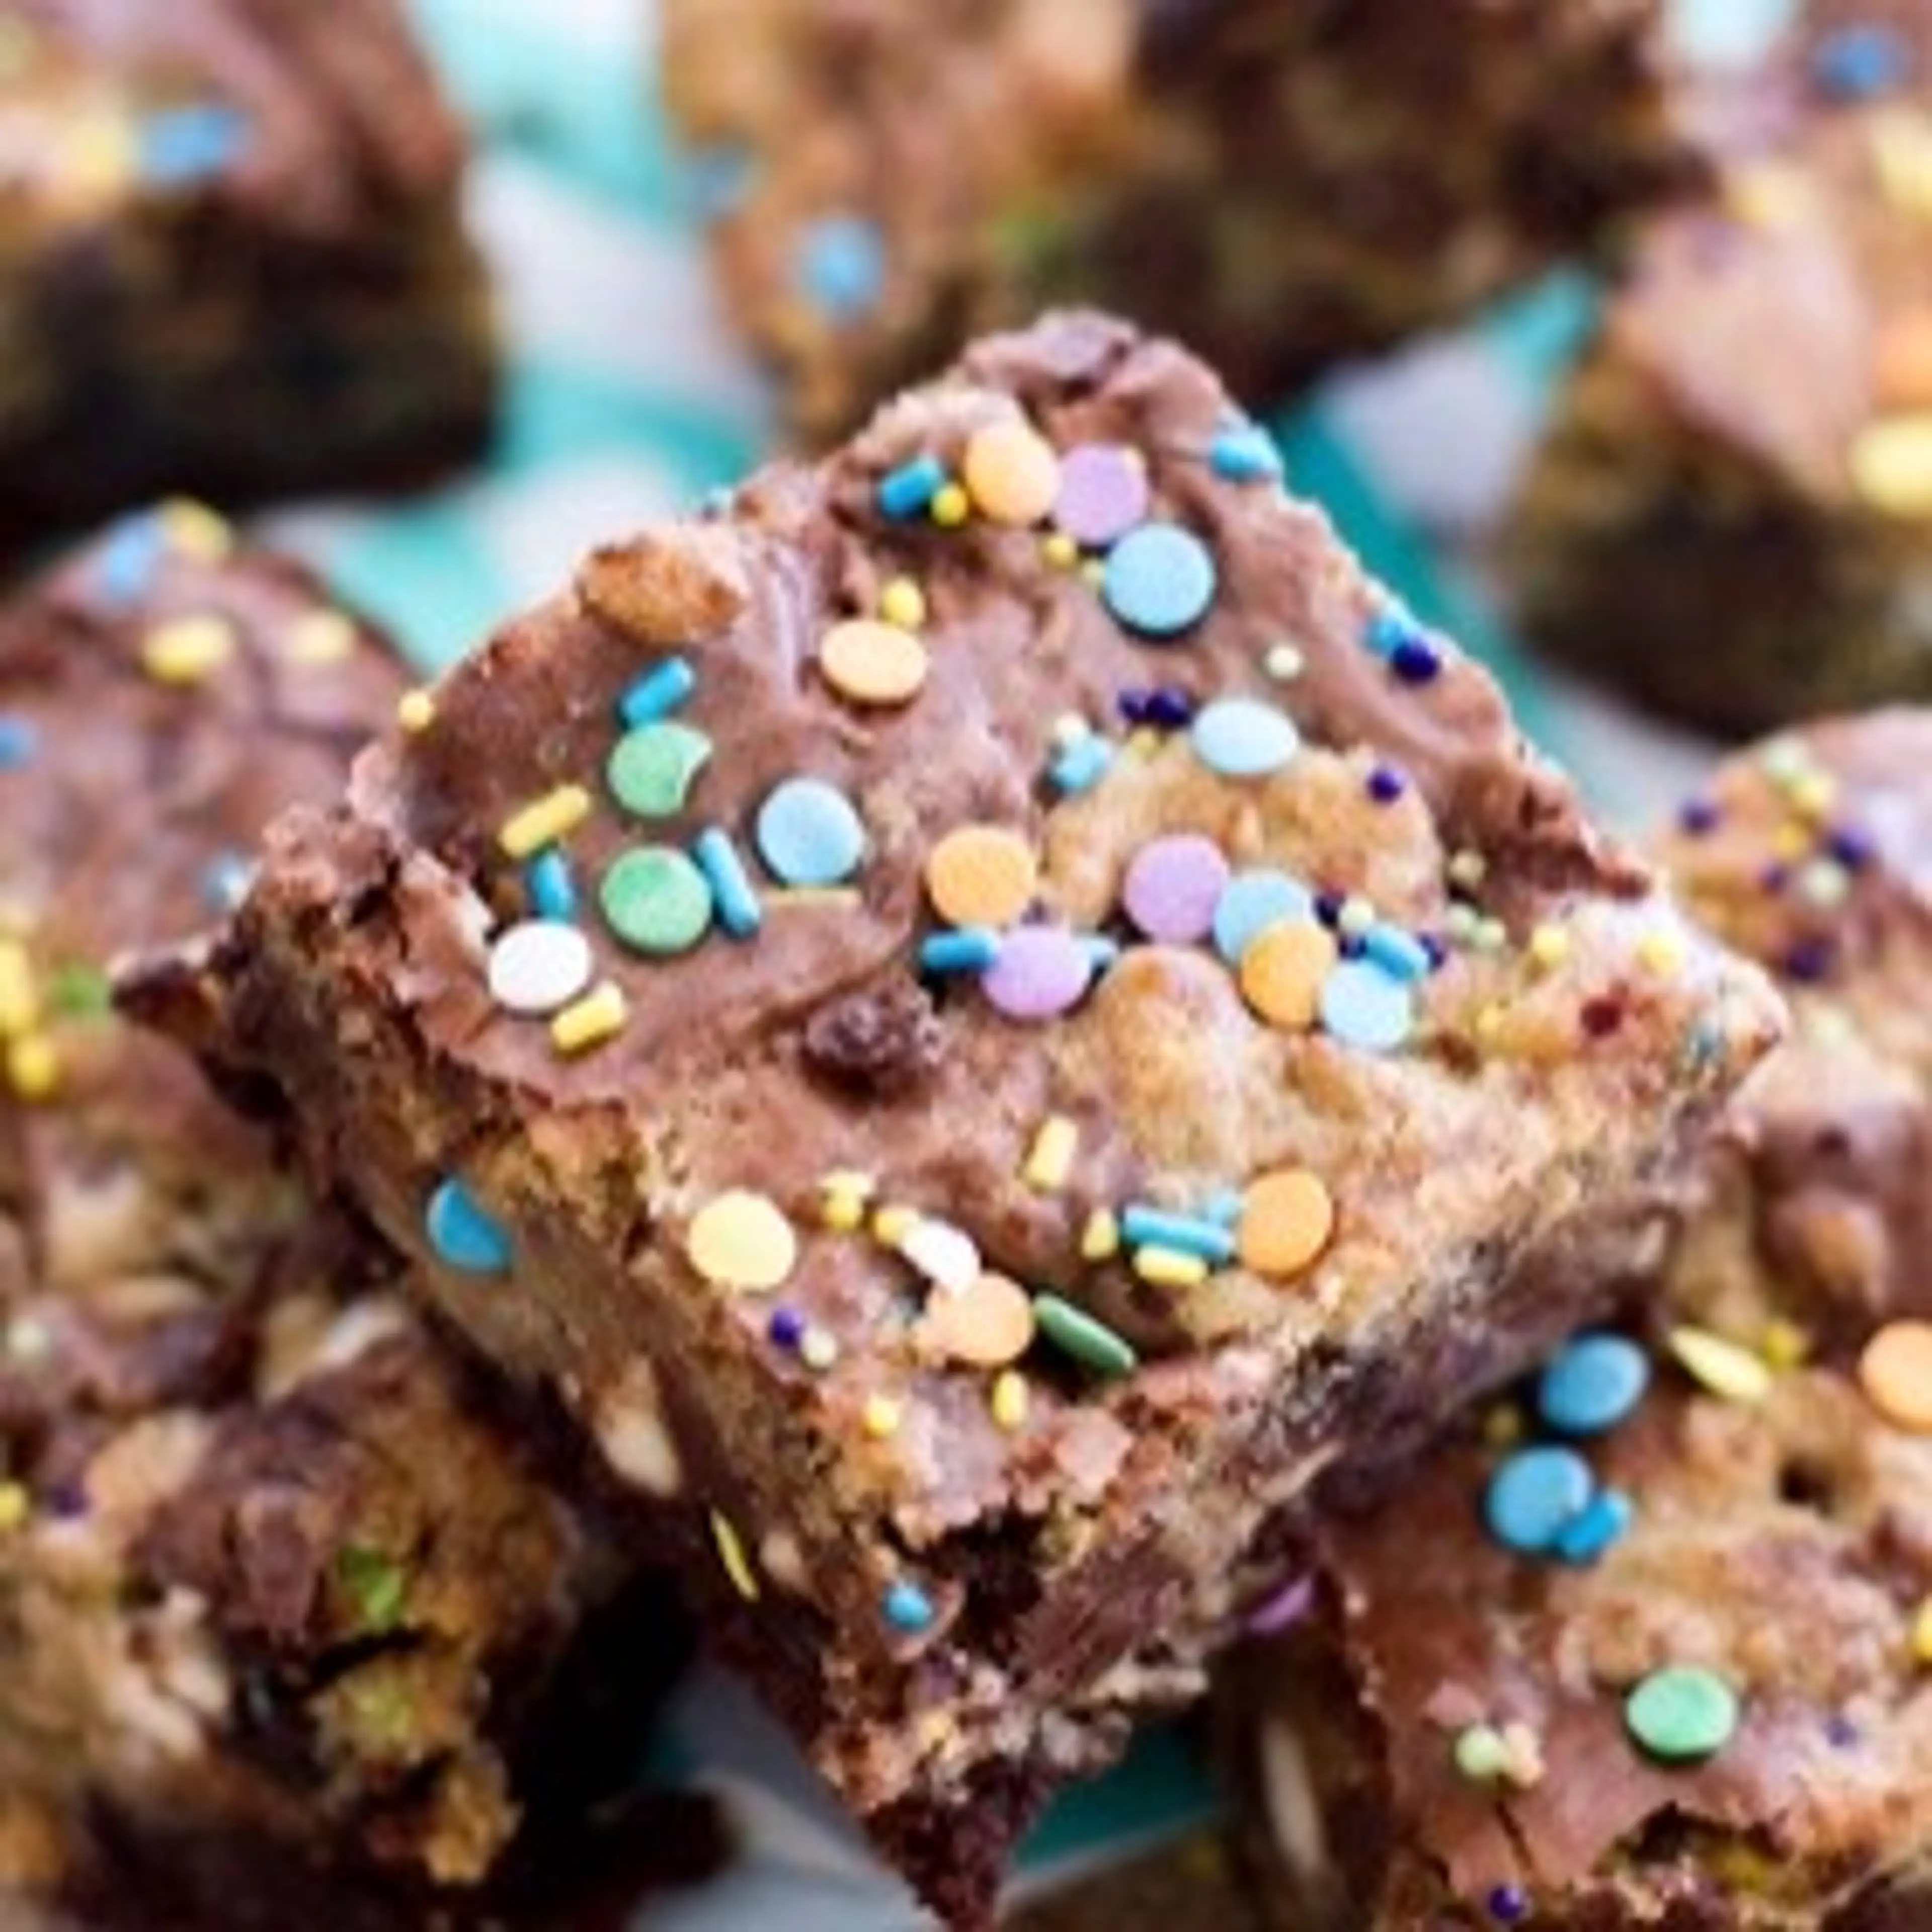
(1697, 816)
(1042, 971)
(1809, 962)
(1352, 946)
(1169, 709)
(1328, 907)
(1774, 877)
(787, 1328)
(1852, 849)
(1172, 886)
(1284, 1609)
(1103, 493)
(66, 1500)
(1386, 784)
(1841, 1733)
(1437, 948)
(1135, 704)
(1416, 661)
(1508, 1903)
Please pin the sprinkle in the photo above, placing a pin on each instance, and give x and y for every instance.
(1172, 886)
(1287, 1220)
(1922, 1632)
(1825, 883)
(1010, 1401)
(818, 1350)
(1785, 1345)
(1593, 1383)
(1042, 972)
(1284, 663)
(129, 557)
(1253, 901)
(319, 638)
(1856, 63)
(415, 712)
(891, 1224)
(1388, 629)
(1059, 550)
(464, 1235)
(1363, 1006)
(1682, 1713)
(544, 821)
(946, 1255)
(1281, 1611)
(903, 493)
(1049, 1161)
(19, 742)
(538, 966)
(1167, 1268)
(588, 1022)
(1090, 1343)
(1354, 917)
(988, 1324)
(1012, 473)
(1467, 869)
(19, 997)
(1159, 580)
(16, 1506)
(732, 893)
(1723, 1366)
(1167, 708)
(1533, 1494)
(33, 1067)
(786, 1328)
(1549, 947)
(731, 1554)
(187, 650)
(1891, 462)
(659, 692)
(1508, 1903)
(182, 146)
(1605, 1520)
(656, 900)
(809, 835)
(1400, 955)
(902, 602)
(741, 1239)
(652, 768)
(1081, 766)
(1103, 493)
(1208, 1240)
(908, 1610)
(971, 949)
(1100, 1238)
(840, 263)
(1242, 738)
(1895, 1372)
(872, 662)
(1480, 1755)
(1244, 453)
(845, 1195)
(981, 875)
(192, 530)
(1282, 973)
(551, 890)
(880, 1417)
(1416, 660)
(1662, 953)
(950, 506)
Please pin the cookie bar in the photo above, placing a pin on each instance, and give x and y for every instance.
(234, 258)
(1649, 1648)
(970, 1010)
(1281, 186)
(1195, 1881)
(1731, 517)
(276, 1580)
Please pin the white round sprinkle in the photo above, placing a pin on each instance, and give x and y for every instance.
(947, 1256)
(539, 966)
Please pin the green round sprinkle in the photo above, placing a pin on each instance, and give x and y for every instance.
(657, 900)
(652, 769)
(1682, 1713)
(1090, 1343)
(1481, 1755)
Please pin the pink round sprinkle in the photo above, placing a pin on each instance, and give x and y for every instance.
(1173, 886)
(1042, 972)
(1103, 493)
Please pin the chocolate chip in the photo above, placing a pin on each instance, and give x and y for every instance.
(885, 1038)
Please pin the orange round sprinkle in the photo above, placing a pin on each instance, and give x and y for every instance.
(986, 1326)
(872, 662)
(981, 875)
(1286, 1221)
(1282, 970)
(1012, 472)
(1895, 1372)
(1902, 365)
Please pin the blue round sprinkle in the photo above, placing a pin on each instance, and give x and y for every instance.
(1388, 630)
(1535, 1495)
(129, 555)
(1605, 1520)
(1856, 63)
(225, 881)
(786, 1327)
(1416, 660)
(19, 742)
(1160, 580)
(463, 1234)
(1253, 901)
(1244, 453)
(1592, 1384)
(1363, 1006)
(182, 145)
(1242, 738)
(841, 265)
(809, 835)
(1081, 766)
(908, 1609)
